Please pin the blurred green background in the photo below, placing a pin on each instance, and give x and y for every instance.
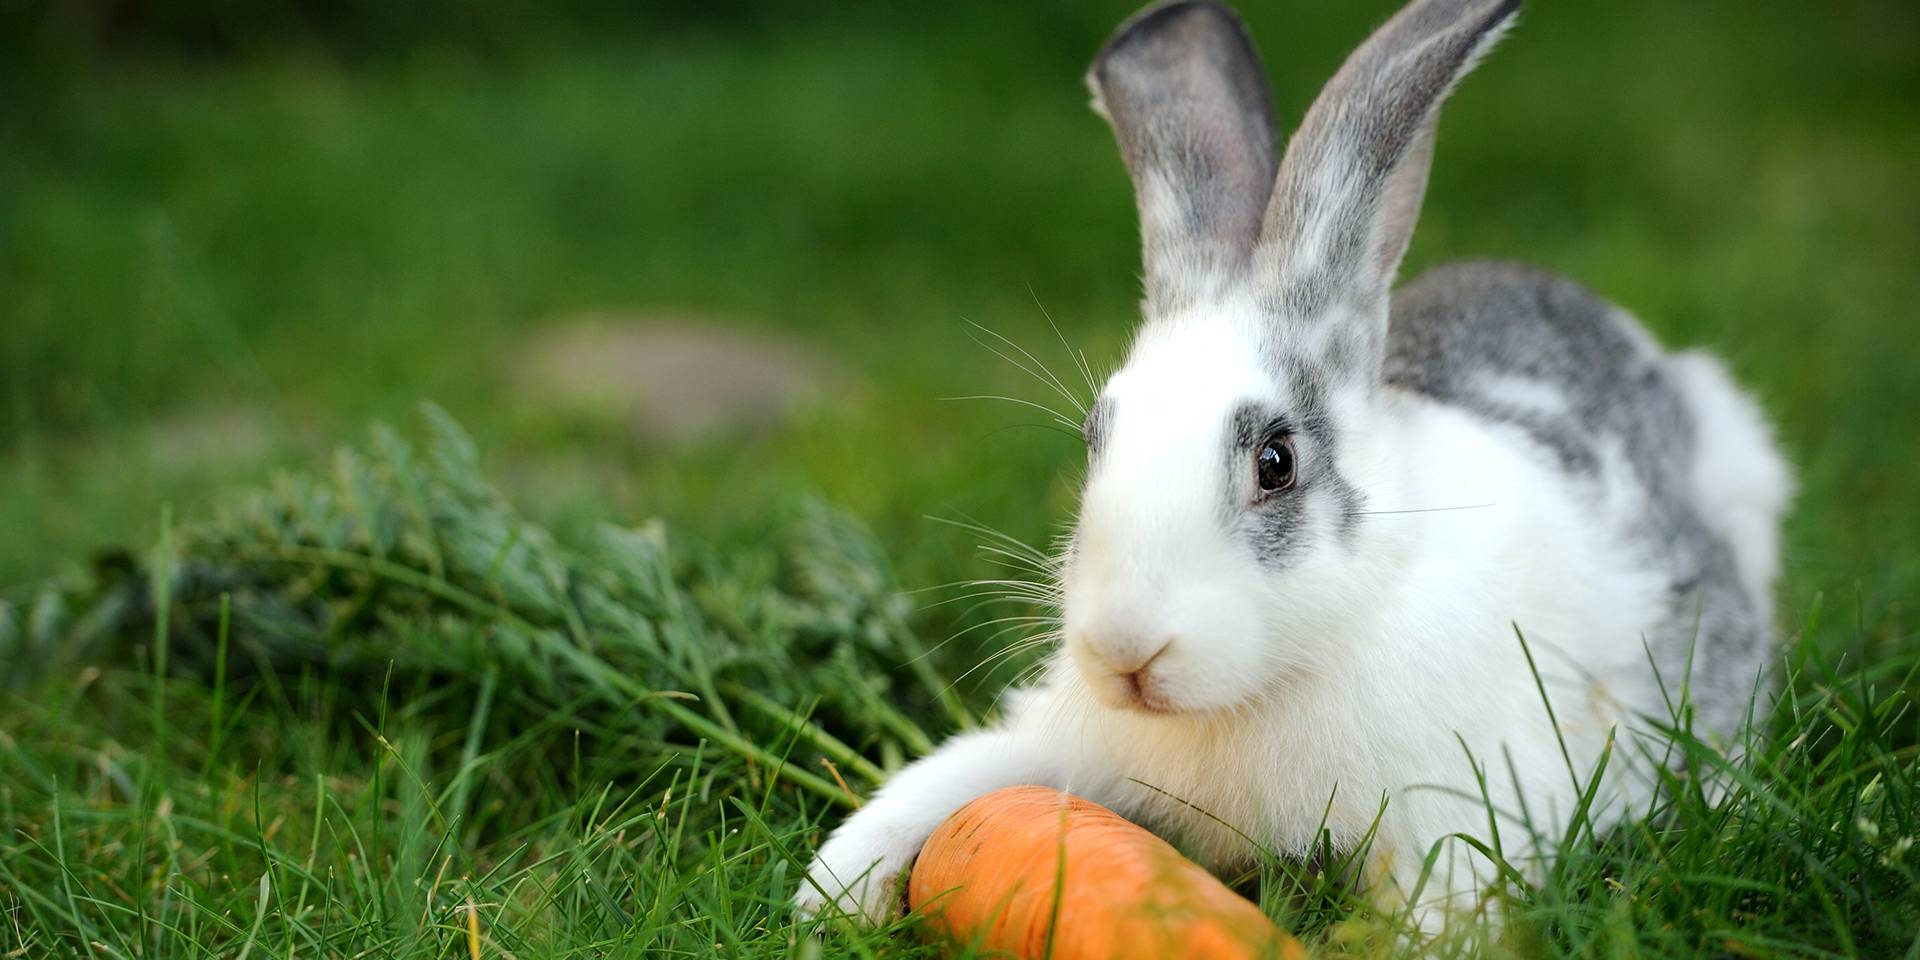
(231, 234)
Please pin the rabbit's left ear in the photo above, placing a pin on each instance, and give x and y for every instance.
(1350, 187)
(1188, 101)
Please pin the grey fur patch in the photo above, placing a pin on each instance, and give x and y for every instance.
(1473, 335)
(1279, 529)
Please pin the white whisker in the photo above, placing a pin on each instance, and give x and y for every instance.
(1079, 358)
(1045, 376)
(1057, 416)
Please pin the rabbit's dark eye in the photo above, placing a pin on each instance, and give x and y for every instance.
(1273, 466)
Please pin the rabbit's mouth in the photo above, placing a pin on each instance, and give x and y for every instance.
(1142, 694)
(1153, 685)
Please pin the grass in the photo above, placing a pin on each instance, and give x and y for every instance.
(210, 270)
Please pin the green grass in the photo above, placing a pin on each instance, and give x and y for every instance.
(213, 269)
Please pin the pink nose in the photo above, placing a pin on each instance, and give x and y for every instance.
(1136, 677)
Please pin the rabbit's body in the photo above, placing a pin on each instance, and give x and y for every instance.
(1674, 460)
(1576, 454)
(1318, 518)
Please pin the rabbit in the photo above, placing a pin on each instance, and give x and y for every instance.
(1340, 549)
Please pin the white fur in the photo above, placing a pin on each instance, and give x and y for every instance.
(1364, 673)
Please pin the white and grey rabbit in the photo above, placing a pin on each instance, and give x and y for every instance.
(1319, 514)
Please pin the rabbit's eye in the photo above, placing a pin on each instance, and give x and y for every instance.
(1273, 467)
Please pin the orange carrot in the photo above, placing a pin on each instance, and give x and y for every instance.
(1022, 866)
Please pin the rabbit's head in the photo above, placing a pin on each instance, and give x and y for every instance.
(1216, 550)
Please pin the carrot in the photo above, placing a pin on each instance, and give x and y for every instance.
(1036, 873)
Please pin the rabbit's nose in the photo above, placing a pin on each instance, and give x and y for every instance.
(1133, 668)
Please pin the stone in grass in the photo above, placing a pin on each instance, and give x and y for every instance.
(221, 436)
(671, 379)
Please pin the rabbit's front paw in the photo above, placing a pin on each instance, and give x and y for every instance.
(861, 871)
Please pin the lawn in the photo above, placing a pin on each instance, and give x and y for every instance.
(562, 683)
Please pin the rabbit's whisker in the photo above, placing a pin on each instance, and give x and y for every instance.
(995, 596)
(1057, 416)
(1079, 357)
(1030, 556)
(1044, 375)
(1006, 652)
(1388, 513)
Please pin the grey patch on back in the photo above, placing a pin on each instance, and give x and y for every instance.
(1458, 329)
(1574, 374)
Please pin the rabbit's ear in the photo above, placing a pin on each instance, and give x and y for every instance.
(1186, 95)
(1350, 187)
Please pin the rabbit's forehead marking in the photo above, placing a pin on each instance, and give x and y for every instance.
(1326, 348)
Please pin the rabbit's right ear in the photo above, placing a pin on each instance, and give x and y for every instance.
(1350, 187)
(1186, 95)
